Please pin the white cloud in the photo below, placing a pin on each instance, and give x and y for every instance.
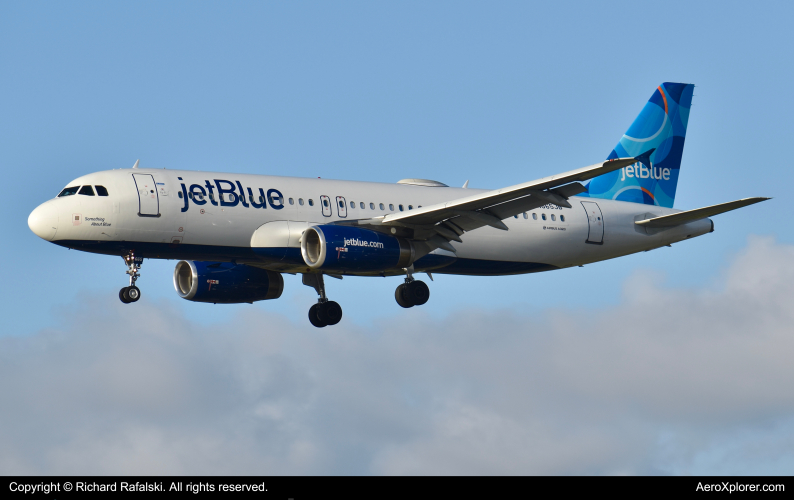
(669, 381)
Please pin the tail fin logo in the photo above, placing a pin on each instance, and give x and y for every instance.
(661, 125)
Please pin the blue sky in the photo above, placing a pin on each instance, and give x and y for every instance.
(496, 93)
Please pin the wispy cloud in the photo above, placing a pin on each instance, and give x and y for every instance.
(669, 381)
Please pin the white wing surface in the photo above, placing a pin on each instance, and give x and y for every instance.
(438, 224)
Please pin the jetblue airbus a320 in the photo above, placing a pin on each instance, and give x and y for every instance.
(235, 234)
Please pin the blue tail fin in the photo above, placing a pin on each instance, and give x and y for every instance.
(662, 125)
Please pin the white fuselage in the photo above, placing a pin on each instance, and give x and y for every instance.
(162, 214)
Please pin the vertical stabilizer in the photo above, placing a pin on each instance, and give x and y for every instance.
(661, 125)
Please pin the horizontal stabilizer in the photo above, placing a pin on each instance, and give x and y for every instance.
(697, 214)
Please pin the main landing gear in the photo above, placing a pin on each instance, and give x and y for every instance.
(131, 293)
(325, 312)
(413, 292)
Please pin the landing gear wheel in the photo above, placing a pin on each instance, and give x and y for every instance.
(131, 293)
(313, 319)
(399, 296)
(416, 292)
(325, 312)
(329, 312)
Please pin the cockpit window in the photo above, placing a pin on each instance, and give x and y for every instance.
(86, 190)
(101, 191)
(69, 191)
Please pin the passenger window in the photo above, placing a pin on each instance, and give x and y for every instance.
(86, 190)
(311, 202)
(562, 218)
(410, 207)
(372, 206)
(69, 191)
(361, 205)
(180, 194)
(190, 195)
(300, 201)
(291, 201)
(543, 216)
(525, 215)
(352, 204)
(516, 216)
(534, 216)
(325, 203)
(101, 191)
(553, 217)
(400, 207)
(382, 207)
(261, 199)
(391, 207)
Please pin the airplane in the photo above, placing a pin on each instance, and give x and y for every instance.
(235, 234)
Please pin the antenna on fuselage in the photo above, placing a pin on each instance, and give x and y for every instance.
(136, 163)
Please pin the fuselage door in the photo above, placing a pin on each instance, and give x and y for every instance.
(341, 207)
(326, 204)
(148, 200)
(595, 221)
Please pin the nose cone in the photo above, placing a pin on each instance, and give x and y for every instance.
(44, 221)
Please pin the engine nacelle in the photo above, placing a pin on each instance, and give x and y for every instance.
(225, 283)
(352, 249)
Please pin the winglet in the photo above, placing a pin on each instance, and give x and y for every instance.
(645, 158)
(136, 164)
(466, 184)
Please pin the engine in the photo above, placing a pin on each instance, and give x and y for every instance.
(225, 283)
(352, 249)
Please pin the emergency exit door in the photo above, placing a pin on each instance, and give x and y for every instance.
(341, 207)
(325, 202)
(595, 222)
(148, 199)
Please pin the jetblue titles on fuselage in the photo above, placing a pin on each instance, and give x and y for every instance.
(229, 196)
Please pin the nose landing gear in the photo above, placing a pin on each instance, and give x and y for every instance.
(411, 293)
(131, 293)
(325, 312)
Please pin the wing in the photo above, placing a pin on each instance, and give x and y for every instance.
(697, 214)
(441, 223)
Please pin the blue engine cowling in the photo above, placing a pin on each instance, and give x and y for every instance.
(352, 249)
(225, 283)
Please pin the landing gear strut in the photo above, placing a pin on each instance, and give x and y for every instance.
(325, 312)
(131, 293)
(413, 292)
